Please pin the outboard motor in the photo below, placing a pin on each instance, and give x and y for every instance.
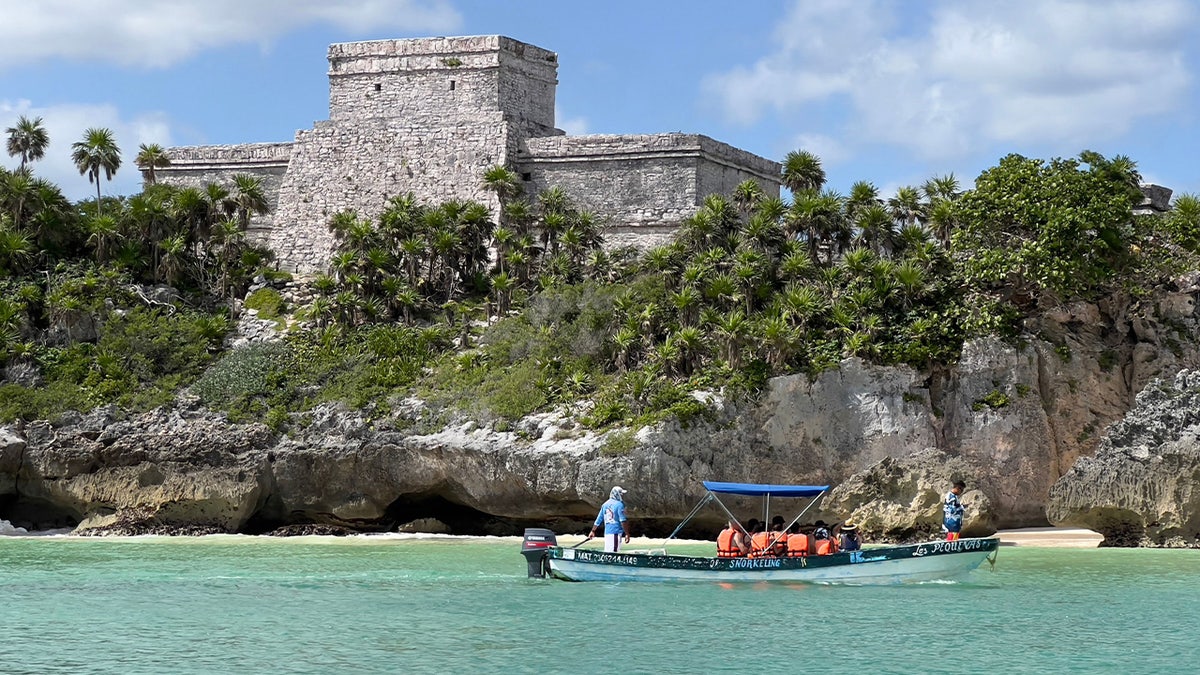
(537, 541)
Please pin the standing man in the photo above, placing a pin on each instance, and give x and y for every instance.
(952, 511)
(612, 515)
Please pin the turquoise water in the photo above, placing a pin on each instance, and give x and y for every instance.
(383, 605)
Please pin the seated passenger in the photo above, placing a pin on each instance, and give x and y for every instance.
(731, 543)
(760, 542)
(778, 537)
(822, 542)
(849, 540)
(797, 543)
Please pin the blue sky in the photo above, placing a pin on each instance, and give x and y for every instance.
(891, 92)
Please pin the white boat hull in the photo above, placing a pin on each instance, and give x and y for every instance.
(892, 565)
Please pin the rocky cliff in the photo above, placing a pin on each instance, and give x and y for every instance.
(1142, 487)
(1009, 419)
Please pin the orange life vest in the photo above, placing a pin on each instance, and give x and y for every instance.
(760, 545)
(826, 547)
(725, 546)
(779, 548)
(797, 545)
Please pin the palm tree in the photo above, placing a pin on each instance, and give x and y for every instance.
(504, 183)
(96, 153)
(906, 207)
(862, 195)
(876, 229)
(28, 138)
(747, 195)
(249, 198)
(103, 235)
(173, 258)
(802, 172)
(149, 158)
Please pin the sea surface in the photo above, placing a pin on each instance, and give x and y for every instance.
(395, 604)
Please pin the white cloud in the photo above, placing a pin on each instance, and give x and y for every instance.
(158, 33)
(971, 72)
(574, 126)
(65, 124)
(829, 149)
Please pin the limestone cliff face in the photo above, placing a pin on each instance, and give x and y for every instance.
(1010, 420)
(1143, 484)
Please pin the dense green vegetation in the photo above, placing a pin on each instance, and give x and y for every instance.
(504, 314)
(80, 318)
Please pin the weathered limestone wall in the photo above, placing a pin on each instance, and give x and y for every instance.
(453, 76)
(198, 165)
(642, 185)
(360, 166)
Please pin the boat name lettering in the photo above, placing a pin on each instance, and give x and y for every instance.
(856, 556)
(753, 563)
(957, 546)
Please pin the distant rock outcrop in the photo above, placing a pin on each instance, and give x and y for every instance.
(1142, 487)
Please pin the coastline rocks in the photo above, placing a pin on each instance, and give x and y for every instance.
(1142, 487)
(901, 499)
(168, 467)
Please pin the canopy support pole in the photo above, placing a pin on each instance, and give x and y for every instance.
(707, 498)
(797, 518)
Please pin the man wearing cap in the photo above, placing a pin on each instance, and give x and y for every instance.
(952, 511)
(612, 515)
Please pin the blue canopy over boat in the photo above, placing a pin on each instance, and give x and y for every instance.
(762, 489)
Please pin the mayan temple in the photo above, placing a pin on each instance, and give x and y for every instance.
(430, 116)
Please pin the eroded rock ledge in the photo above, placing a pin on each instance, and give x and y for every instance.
(1142, 487)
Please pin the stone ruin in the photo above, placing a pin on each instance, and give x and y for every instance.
(430, 116)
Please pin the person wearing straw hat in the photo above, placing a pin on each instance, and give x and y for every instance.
(849, 537)
(612, 516)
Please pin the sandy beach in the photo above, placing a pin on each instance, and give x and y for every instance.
(1050, 537)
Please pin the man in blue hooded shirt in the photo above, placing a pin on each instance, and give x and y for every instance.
(612, 515)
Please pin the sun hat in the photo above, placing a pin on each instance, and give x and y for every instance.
(849, 526)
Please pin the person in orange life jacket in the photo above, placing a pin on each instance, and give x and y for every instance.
(777, 538)
(849, 540)
(797, 543)
(731, 543)
(760, 540)
(821, 540)
(612, 516)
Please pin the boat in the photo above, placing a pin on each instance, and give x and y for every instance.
(921, 562)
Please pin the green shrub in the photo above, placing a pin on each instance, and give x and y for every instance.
(244, 374)
(618, 443)
(994, 399)
(269, 304)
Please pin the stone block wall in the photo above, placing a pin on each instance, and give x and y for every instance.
(448, 77)
(198, 165)
(642, 186)
(335, 167)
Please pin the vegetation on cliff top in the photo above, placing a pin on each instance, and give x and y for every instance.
(524, 310)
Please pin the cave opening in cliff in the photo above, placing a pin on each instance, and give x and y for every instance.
(35, 514)
(437, 514)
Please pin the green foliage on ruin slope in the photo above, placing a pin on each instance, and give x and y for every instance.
(80, 322)
(750, 287)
